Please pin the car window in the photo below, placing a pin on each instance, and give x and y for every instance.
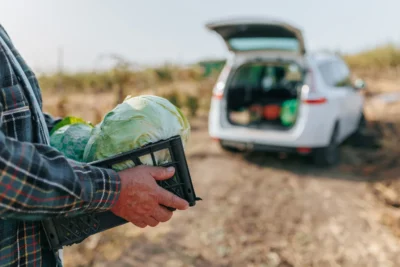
(326, 70)
(335, 73)
(343, 76)
(264, 43)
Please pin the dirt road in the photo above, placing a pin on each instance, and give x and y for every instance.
(258, 210)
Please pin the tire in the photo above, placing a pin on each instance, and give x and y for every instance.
(228, 148)
(328, 156)
(362, 125)
(363, 137)
(360, 137)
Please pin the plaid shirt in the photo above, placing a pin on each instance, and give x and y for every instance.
(37, 181)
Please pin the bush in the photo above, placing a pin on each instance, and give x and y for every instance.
(165, 73)
(62, 106)
(192, 103)
(174, 98)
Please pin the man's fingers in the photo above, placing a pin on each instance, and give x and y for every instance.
(150, 221)
(140, 224)
(168, 199)
(161, 214)
(161, 173)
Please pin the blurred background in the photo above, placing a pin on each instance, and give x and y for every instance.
(259, 209)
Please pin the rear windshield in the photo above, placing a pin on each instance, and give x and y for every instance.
(264, 43)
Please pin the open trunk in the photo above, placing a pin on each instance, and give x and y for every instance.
(264, 95)
(259, 34)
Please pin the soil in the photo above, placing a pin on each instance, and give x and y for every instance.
(261, 209)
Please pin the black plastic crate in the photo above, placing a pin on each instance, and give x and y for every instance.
(66, 231)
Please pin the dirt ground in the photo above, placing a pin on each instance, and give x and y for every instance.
(257, 210)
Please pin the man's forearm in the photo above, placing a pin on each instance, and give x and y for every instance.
(38, 182)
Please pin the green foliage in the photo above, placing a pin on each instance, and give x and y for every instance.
(174, 97)
(211, 67)
(165, 73)
(192, 102)
(62, 106)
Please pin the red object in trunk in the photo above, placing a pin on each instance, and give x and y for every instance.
(304, 150)
(256, 110)
(272, 112)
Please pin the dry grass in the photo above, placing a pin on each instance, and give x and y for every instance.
(192, 97)
(384, 57)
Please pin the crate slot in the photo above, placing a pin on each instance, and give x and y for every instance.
(123, 165)
(164, 156)
(145, 160)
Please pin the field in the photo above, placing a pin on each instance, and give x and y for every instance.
(258, 209)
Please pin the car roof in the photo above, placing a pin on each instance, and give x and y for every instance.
(321, 57)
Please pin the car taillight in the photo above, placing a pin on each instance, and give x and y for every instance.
(218, 96)
(218, 91)
(315, 101)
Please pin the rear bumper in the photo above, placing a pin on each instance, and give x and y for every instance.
(248, 146)
(310, 131)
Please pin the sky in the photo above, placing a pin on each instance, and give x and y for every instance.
(156, 31)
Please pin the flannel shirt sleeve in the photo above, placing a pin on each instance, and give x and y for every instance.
(38, 182)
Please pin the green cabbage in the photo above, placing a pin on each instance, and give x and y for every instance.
(134, 123)
(67, 121)
(70, 137)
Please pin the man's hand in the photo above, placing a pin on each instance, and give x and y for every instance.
(140, 198)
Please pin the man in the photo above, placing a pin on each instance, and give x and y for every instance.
(38, 182)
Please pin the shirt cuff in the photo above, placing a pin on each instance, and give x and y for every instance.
(101, 187)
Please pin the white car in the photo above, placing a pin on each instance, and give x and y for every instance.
(272, 95)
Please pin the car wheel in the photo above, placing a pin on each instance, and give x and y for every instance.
(228, 148)
(361, 137)
(361, 127)
(329, 155)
